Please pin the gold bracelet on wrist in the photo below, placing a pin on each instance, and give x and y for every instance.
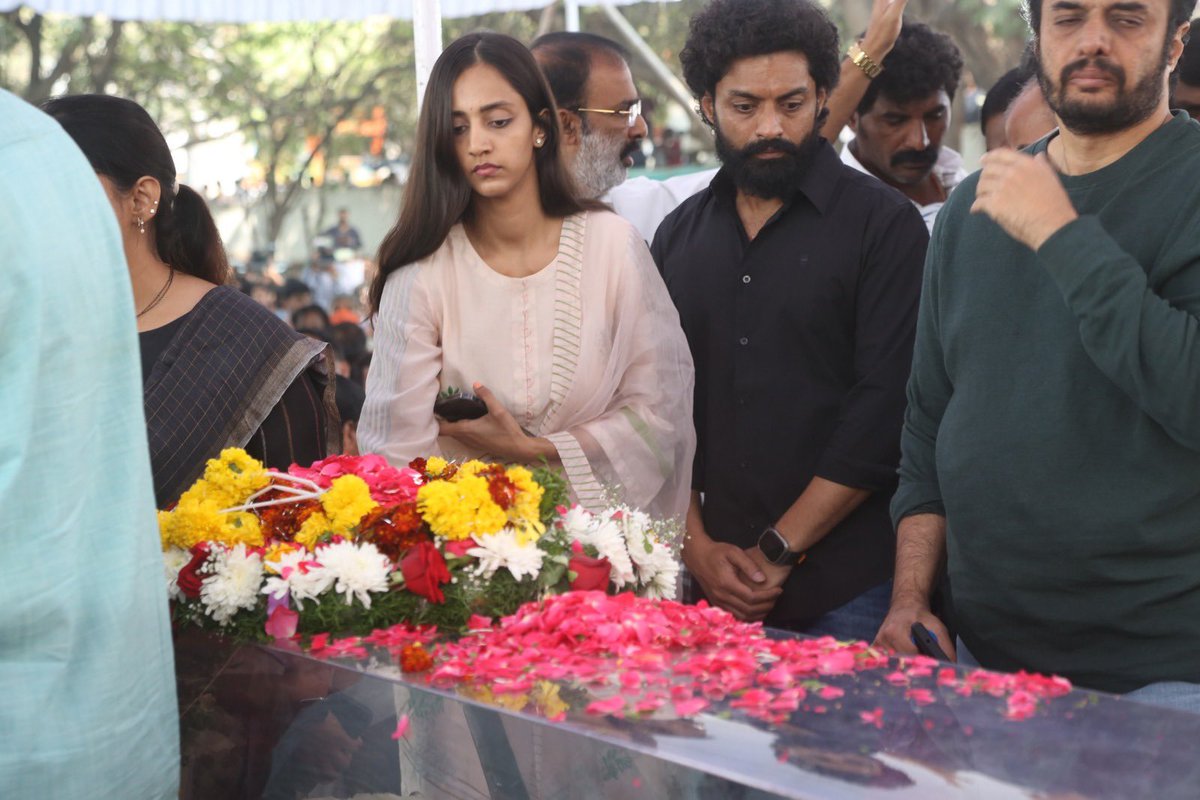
(860, 59)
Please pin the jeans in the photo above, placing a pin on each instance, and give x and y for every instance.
(1169, 694)
(1178, 695)
(858, 619)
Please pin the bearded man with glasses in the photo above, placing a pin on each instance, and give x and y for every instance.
(601, 117)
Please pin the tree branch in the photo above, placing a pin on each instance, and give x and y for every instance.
(102, 68)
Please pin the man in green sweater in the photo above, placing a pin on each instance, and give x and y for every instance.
(1051, 449)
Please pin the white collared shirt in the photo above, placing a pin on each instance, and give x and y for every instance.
(646, 202)
(948, 169)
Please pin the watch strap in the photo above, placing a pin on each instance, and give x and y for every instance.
(859, 58)
(788, 557)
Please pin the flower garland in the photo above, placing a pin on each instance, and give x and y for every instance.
(353, 543)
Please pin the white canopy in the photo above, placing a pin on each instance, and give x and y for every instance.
(273, 10)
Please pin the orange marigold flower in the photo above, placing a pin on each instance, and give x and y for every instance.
(414, 658)
(280, 523)
(393, 529)
(503, 490)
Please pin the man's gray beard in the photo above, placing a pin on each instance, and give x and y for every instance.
(598, 164)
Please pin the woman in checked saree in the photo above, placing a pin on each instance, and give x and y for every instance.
(218, 369)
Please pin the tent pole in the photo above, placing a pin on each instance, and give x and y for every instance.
(427, 40)
(571, 12)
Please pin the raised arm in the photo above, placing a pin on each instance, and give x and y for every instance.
(882, 31)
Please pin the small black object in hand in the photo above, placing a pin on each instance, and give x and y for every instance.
(454, 405)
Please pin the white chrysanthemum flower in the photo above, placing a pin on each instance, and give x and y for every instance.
(504, 549)
(299, 573)
(175, 559)
(233, 583)
(660, 575)
(608, 539)
(636, 527)
(577, 521)
(358, 569)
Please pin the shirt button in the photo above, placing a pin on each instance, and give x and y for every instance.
(745, 279)
(743, 341)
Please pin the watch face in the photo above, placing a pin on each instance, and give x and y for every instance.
(772, 545)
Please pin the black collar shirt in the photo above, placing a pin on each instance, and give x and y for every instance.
(802, 340)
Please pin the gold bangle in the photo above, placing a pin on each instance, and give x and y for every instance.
(859, 58)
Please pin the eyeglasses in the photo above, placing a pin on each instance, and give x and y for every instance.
(631, 114)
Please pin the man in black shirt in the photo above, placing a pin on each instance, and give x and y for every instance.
(797, 280)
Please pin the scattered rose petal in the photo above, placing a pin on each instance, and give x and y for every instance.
(610, 706)
(687, 708)
(401, 727)
(872, 717)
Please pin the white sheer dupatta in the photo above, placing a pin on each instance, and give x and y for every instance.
(621, 398)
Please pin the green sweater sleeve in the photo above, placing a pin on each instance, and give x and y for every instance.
(929, 390)
(1147, 343)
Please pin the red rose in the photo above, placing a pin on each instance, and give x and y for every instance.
(190, 580)
(459, 547)
(424, 571)
(591, 574)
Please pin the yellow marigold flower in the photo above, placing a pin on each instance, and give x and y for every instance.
(513, 702)
(457, 510)
(276, 552)
(436, 465)
(241, 527)
(484, 694)
(195, 519)
(316, 526)
(165, 530)
(525, 512)
(347, 501)
(477, 691)
(547, 700)
(471, 468)
(233, 476)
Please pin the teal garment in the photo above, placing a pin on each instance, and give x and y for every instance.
(1054, 416)
(88, 706)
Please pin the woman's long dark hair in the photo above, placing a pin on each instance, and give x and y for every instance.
(438, 195)
(124, 145)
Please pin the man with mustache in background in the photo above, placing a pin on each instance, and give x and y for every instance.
(796, 279)
(1051, 446)
(902, 117)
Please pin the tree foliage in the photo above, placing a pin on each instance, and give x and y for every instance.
(284, 87)
(288, 87)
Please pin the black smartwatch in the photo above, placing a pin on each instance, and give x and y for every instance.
(775, 548)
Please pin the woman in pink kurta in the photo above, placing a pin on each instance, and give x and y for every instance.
(551, 308)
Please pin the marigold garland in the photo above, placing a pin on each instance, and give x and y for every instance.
(349, 543)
